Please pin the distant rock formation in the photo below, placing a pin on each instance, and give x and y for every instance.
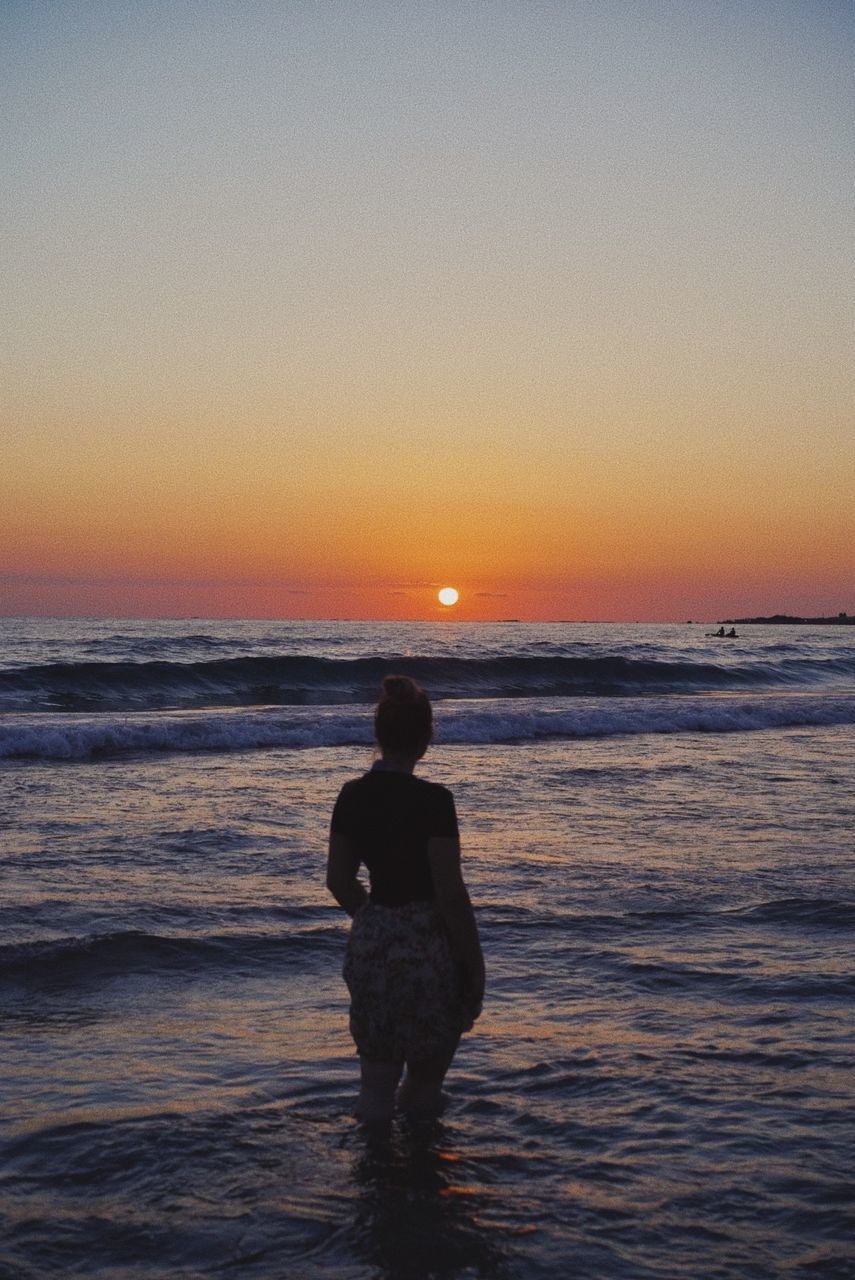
(787, 620)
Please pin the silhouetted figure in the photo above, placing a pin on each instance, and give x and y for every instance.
(413, 967)
(720, 631)
(731, 635)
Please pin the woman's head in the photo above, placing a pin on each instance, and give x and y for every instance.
(403, 720)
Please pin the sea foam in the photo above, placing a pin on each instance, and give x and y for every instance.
(49, 736)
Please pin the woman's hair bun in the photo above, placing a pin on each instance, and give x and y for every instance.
(400, 688)
(403, 719)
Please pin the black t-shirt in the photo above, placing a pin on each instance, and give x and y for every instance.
(389, 816)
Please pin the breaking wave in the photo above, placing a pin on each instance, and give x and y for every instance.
(298, 680)
(94, 736)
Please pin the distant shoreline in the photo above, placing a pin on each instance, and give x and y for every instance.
(788, 620)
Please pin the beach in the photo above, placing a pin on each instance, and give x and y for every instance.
(656, 831)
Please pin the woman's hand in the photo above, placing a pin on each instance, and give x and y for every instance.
(342, 868)
(472, 994)
(455, 908)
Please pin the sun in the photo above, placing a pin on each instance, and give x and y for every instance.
(448, 596)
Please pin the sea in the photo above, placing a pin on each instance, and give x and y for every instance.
(657, 831)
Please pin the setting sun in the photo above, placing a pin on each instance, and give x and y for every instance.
(448, 596)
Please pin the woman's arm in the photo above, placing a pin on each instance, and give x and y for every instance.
(342, 866)
(453, 904)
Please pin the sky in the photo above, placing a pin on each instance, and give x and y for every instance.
(312, 308)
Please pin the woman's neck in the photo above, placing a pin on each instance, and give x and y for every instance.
(397, 763)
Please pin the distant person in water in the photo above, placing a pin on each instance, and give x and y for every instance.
(413, 966)
(731, 635)
(720, 631)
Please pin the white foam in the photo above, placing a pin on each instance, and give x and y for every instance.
(84, 737)
(589, 718)
(89, 736)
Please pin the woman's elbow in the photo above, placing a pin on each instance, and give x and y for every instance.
(341, 887)
(453, 901)
(336, 884)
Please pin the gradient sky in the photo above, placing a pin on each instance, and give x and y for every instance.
(310, 308)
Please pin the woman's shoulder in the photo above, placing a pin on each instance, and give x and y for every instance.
(353, 784)
(436, 788)
(434, 794)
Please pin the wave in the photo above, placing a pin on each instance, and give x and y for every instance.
(72, 959)
(473, 722)
(676, 978)
(801, 912)
(295, 680)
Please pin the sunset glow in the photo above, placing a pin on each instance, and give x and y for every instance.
(448, 596)
(304, 307)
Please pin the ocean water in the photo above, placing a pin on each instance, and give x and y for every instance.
(658, 837)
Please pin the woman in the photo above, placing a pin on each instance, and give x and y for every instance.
(414, 967)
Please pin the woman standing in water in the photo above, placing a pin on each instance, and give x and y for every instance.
(414, 967)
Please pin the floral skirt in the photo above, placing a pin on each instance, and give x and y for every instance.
(405, 1002)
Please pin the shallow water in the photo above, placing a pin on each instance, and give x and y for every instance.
(660, 1086)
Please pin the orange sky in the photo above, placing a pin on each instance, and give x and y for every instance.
(314, 316)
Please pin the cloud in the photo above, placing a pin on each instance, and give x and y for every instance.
(491, 595)
(155, 583)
